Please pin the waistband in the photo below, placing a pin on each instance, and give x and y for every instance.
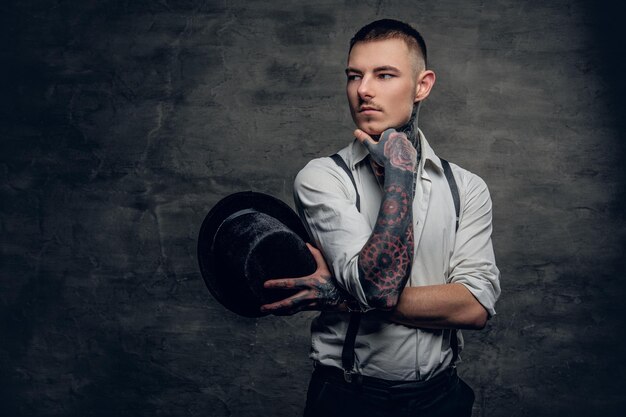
(336, 375)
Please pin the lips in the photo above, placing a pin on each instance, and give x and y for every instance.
(368, 109)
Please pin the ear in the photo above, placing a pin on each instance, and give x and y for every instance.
(425, 82)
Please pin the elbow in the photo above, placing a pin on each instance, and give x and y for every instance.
(378, 297)
(476, 319)
(472, 315)
(479, 323)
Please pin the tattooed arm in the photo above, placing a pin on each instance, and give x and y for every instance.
(434, 307)
(385, 261)
(465, 302)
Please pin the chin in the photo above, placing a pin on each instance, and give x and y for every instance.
(371, 129)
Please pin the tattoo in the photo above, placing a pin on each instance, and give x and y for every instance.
(393, 151)
(400, 152)
(410, 130)
(395, 207)
(385, 260)
(317, 292)
(409, 234)
(327, 292)
(379, 172)
(383, 257)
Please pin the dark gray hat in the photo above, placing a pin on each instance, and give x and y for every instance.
(246, 239)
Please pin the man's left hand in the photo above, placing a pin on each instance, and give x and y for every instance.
(319, 291)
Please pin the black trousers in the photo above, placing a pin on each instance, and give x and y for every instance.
(329, 395)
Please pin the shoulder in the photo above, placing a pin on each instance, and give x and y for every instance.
(467, 182)
(318, 171)
(321, 173)
(470, 185)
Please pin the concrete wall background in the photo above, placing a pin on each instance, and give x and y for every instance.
(123, 122)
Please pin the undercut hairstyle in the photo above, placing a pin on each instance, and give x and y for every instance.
(390, 29)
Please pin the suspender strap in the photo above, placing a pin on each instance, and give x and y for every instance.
(453, 189)
(454, 340)
(347, 354)
(342, 164)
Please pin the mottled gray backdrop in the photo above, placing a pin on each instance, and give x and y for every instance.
(124, 121)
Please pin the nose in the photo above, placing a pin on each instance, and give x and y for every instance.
(365, 89)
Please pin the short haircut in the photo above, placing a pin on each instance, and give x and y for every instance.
(390, 29)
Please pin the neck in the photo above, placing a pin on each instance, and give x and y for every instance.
(410, 127)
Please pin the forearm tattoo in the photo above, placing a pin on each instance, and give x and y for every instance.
(385, 260)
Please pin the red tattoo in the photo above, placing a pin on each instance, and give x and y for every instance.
(383, 258)
(395, 206)
(379, 172)
(401, 153)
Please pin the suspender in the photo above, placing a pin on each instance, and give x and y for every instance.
(454, 339)
(347, 354)
(453, 189)
(342, 164)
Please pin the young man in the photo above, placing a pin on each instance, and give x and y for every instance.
(393, 248)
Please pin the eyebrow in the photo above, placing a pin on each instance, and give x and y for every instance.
(377, 69)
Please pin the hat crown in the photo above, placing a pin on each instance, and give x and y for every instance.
(246, 239)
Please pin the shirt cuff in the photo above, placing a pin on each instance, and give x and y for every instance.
(485, 297)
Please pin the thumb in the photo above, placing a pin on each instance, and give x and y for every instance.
(317, 255)
(363, 137)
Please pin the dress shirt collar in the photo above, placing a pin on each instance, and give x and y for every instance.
(359, 152)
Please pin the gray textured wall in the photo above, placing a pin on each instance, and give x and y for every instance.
(123, 122)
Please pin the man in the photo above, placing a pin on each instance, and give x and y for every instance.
(393, 248)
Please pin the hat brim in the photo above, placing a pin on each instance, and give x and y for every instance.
(233, 203)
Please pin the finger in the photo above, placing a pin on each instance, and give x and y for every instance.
(320, 262)
(364, 138)
(287, 284)
(317, 255)
(292, 311)
(305, 306)
(287, 304)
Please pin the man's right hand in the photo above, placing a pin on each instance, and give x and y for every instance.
(393, 149)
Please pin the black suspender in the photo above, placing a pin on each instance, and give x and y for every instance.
(454, 339)
(347, 354)
(342, 164)
(453, 189)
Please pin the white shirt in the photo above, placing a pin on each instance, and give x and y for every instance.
(325, 199)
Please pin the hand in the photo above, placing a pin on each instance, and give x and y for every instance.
(319, 291)
(392, 149)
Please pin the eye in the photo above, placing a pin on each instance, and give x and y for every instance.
(353, 77)
(385, 76)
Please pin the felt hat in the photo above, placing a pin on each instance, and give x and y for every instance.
(246, 239)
